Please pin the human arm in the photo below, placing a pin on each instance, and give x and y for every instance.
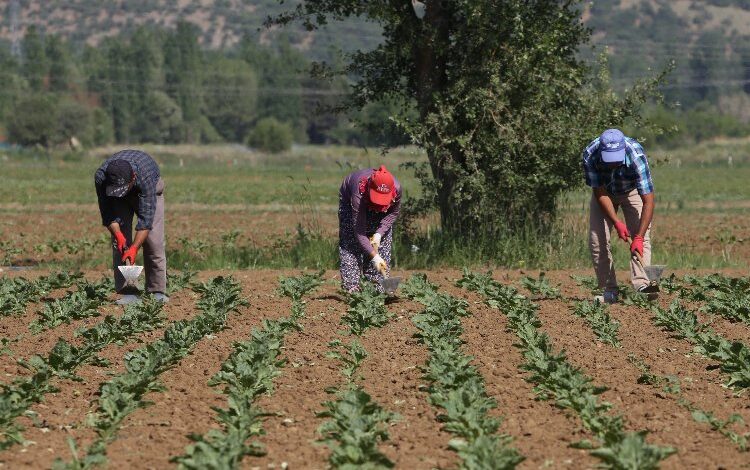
(608, 208)
(390, 218)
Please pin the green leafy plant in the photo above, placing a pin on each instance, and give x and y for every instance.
(597, 316)
(366, 309)
(179, 281)
(555, 378)
(541, 288)
(456, 386)
(77, 305)
(247, 374)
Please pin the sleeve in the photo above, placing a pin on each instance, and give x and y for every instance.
(645, 183)
(146, 204)
(359, 222)
(105, 209)
(388, 221)
(589, 169)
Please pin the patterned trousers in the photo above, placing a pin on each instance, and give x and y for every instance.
(354, 261)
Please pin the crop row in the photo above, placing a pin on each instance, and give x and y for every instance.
(556, 378)
(733, 356)
(17, 293)
(76, 305)
(247, 374)
(596, 315)
(124, 393)
(63, 360)
(456, 386)
(356, 423)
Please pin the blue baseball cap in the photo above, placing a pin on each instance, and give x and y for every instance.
(612, 146)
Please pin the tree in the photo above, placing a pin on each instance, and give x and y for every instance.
(34, 59)
(271, 136)
(60, 63)
(504, 105)
(33, 121)
(230, 89)
(183, 67)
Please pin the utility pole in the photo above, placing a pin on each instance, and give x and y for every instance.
(15, 29)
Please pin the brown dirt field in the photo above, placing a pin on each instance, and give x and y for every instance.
(542, 433)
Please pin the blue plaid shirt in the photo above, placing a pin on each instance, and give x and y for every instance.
(146, 176)
(634, 173)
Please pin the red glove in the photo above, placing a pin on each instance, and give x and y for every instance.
(622, 231)
(121, 242)
(129, 255)
(637, 245)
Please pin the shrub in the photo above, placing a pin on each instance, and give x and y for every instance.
(271, 135)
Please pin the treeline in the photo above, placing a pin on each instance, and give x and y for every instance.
(158, 85)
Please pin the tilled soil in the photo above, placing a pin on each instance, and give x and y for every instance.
(150, 437)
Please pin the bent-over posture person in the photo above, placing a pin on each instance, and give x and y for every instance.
(129, 183)
(616, 168)
(369, 202)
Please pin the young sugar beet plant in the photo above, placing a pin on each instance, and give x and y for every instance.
(596, 315)
(671, 385)
(247, 374)
(540, 288)
(557, 379)
(124, 393)
(356, 424)
(76, 305)
(366, 309)
(17, 293)
(733, 357)
(63, 360)
(456, 386)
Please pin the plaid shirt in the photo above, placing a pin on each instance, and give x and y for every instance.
(634, 173)
(146, 176)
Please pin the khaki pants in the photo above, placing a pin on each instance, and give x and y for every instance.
(154, 252)
(599, 240)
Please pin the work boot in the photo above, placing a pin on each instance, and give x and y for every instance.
(127, 299)
(651, 291)
(608, 297)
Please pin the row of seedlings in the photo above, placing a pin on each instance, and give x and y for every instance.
(671, 385)
(247, 374)
(17, 293)
(556, 378)
(455, 385)
(76, 305)
(64, 359)
(356, 424)
(125, 393)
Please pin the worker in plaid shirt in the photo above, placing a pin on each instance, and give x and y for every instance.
(616, 168)
(129, 183)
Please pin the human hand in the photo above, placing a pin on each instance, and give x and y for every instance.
(379, 264)
(637, 245)
(622, 231)
(129, 255)
(120, 241)
(375, 241)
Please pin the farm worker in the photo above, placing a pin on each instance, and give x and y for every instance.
(616, 169)
(129, 183)
(369, 202)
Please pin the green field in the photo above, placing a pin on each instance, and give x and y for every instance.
(703, 200)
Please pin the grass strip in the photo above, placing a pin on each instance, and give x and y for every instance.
(456, 386)
(124, 394)
(64, 359)
(557, 379)
(76, 305)
(17, 293)
(596, 315)
(247, 374)
(671, 385)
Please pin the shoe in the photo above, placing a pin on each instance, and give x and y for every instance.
(127, 299)
(159, 297)
(651, 291)
(609, 297)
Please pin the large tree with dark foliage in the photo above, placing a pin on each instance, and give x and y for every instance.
(504, 104)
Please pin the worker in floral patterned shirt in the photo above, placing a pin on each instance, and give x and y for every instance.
(616, 168)
(369, 203)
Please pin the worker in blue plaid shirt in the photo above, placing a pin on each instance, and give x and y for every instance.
(616, 168)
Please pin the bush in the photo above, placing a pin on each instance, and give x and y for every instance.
(33, 121)
(271, 135)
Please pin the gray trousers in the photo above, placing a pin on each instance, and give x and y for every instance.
(154, 252)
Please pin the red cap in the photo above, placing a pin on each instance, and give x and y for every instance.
(382, 187)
